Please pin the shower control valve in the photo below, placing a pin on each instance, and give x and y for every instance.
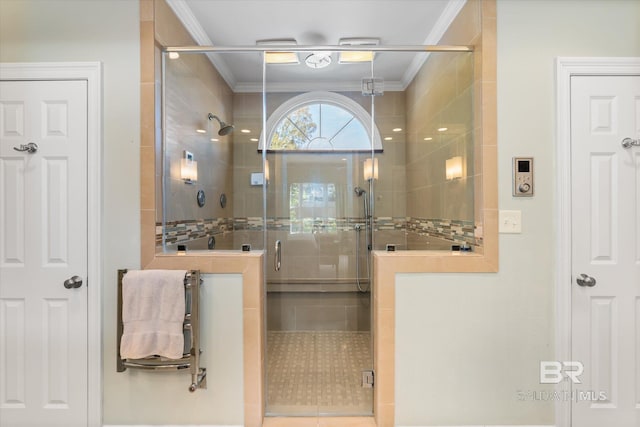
(523, 176)
(524, 187)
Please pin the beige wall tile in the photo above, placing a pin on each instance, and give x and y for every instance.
(346, 422)
(147, 46)
(147, 114)
(147, 178)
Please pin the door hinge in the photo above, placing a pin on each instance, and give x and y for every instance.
(367, 379)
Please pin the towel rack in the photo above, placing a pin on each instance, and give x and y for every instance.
(191, 329)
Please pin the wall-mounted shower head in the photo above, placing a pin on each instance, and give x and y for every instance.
(359, 191)
(225, 129)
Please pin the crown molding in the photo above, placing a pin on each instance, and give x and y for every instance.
(450, 12)
(193, 27)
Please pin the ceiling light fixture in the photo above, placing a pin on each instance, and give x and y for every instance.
(287, 58)
(357, 56)
(397, 129)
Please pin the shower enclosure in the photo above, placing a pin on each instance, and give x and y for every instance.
(319, 235)
(317, 166)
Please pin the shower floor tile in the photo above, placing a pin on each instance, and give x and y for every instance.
(318, 373)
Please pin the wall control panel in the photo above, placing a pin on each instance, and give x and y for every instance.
(523, 176)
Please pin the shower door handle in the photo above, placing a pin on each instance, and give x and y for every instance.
(278, 256)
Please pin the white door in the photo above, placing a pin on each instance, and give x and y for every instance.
(43, 243)
(606, 249)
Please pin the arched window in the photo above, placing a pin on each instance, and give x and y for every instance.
(321, 121)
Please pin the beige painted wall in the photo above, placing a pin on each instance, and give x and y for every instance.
(466, 343)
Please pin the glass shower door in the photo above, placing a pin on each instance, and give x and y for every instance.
(316, 140)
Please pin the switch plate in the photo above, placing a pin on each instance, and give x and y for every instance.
(257, 178)
(510, 222)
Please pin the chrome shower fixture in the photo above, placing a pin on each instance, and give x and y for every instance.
(225, 129)
(361, 192)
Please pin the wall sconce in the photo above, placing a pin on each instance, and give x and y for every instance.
(454, 168)
(188, 168)
(370, 169)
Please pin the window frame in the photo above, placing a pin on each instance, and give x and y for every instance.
(321, 97)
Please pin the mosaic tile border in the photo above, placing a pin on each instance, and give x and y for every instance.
(457, 231)
(179, 231)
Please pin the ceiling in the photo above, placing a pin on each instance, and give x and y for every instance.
(315, 22)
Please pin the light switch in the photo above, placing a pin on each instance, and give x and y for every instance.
(510, 222)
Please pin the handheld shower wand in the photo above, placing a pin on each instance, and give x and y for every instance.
(361, 192)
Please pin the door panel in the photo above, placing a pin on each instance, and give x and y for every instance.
(43, 219)
(605, 246)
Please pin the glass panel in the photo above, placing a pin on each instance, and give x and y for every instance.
(318, 322)
(347, 173)
(216, 207)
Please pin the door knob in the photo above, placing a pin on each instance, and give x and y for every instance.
(73, 282)
(30, 148)
(585, 280)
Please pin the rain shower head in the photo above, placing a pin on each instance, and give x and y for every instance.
(225, 129)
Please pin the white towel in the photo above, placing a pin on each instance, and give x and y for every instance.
(153, 311)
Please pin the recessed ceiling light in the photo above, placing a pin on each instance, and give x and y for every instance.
(282, 57)
(442, 129)
(428, 138)
(174, 55)
(357, 56)
(397, 129)
(201, 131)
(214, 140)
(254, 140)
(388, 138)
(245, 130)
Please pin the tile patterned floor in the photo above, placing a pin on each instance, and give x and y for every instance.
(318, 373)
